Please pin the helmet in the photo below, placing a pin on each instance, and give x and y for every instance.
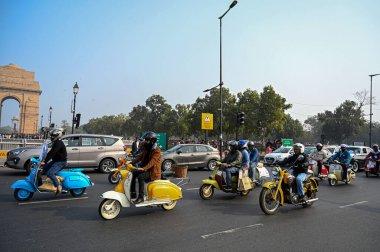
(55, 133)
(250, 144)
(233, 143)
(150, 135)
(375, 146)
(299, 146)
(242, 144)
(319, 145)
(343, 146)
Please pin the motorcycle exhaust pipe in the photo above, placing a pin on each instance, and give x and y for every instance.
(311, 200)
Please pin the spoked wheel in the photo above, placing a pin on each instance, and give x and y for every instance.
(169, 206)
(22, 194)
(267, 203)
(77, 191)
(114, 178)
(244, 193)
(109, 209)
(332, 182)
(206, 191)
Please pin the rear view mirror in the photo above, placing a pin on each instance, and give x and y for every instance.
(179, 151)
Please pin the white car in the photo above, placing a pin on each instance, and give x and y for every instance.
(278, 155)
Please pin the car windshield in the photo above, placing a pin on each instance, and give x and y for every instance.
(174, 149)
(282, 150)
(309, 150)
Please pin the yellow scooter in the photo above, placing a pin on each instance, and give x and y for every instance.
(216, 180)
(161, 193)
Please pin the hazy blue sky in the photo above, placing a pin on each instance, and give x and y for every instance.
(316, 53)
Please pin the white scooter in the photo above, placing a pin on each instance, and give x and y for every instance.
(336, 172)
(159, 193)
(261, 174)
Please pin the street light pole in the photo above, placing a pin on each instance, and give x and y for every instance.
(50, 110)
(42, 117)
(75, 91)
(370, 111)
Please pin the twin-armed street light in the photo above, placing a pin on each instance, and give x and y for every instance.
(370, 112)
(75, 91)
(221, 79)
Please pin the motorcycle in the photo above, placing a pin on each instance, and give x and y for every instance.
(114, 177)
(370, 167)
(72, 180)
(161, 193)
(336, 172)
(217, 181)
(283, 190)
(313, 166)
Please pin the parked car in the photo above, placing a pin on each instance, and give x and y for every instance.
(83, 150)
(278, 155)
(192, 155)
(332, 148)
(358, 154)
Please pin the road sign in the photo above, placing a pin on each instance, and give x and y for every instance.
(3, 154)
(207, 121)
(287, 142)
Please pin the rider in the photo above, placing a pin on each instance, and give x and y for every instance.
(375, 155)
(150, 166)
(300, 163)
(231, 163)
(58, 155)
(319, 155)
(243, 147)
(344, 157)
(253, 159)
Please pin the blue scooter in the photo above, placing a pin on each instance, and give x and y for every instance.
(73, 180)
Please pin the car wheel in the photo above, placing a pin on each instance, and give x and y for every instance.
(167, 165)
(355, 166)
(107, 165)
(211, 165)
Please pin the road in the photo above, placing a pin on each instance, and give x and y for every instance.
(346, 218)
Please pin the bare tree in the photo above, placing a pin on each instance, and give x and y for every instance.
(363, 98)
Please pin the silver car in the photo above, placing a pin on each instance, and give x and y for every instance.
(192, 155)
(83, 150)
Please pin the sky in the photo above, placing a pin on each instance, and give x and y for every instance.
(315, 53)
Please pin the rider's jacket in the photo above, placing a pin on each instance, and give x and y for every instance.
(374, 155)
(343, 157)
(319, 155)
(300, 165)
(254, 156)
(57, 152)
(233, 159)
(245, 159)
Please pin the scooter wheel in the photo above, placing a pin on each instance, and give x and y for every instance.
(244, 193)
(109, 209)
(114, 178)
(169, 206)
(206, 191)
(77, 192)
(332, 182)
(22, 194)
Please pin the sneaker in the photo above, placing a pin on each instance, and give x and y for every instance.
(138, 200)
(228, 188)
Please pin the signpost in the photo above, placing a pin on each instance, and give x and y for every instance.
(207, 121)
(287, 142)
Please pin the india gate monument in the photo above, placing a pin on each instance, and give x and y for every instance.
(19, 84)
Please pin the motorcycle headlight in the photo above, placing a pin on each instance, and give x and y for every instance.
(18, 152)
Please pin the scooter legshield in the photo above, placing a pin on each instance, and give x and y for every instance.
(117, 196)
(211, 182)
(22, 184)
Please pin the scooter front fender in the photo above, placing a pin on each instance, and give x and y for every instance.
(211, 182)
(331, 176)
(22, 184)
(117, 196)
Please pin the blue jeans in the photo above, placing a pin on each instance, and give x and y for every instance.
(50, 169)
(344, 175)
(229, 171)
(299, 180)
(251, 172)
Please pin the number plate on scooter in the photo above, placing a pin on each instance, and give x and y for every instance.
(335, 167)
(219, 173)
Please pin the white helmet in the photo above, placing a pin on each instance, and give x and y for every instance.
(55, 133)
(299, 146)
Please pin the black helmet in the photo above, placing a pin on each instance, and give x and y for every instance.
(319, 145)
(250, 144)
(150, 135)
(233, 144)
(55, 133)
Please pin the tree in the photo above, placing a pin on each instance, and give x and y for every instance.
(292, 129)
(109, 125)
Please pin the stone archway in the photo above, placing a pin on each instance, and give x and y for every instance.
(18, 84)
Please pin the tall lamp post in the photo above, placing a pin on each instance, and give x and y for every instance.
(220, 78)
(75, 91)
(50, 110)
(370, 111)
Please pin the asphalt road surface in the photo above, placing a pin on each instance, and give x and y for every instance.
(346, 218)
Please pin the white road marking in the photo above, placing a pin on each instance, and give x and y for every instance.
(48, 201)
(189, 189)
(231, 230)
(357, 203)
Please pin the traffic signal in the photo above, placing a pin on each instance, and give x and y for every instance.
(240, 118)
(77, 120)
(52, 125)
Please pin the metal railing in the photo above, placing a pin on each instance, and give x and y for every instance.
(12, 143)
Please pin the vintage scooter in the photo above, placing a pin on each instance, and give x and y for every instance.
(336, 172)
(370, 167)
(114, 177)
(313, 166)
(72, 180)
(159, 193)
(217, 181)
